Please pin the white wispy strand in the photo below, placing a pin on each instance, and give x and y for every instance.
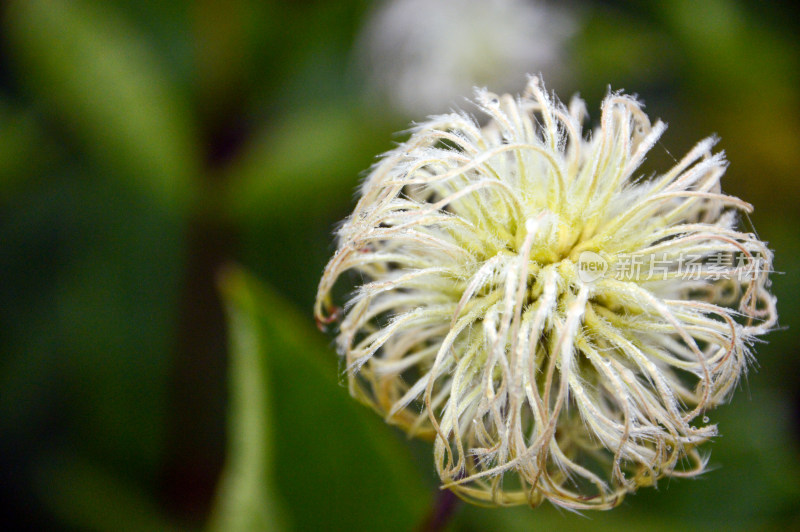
(472, 323)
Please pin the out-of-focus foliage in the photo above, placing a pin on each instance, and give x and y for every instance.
(108, 90)
(146, 147)
(247, 498)
(336, 465)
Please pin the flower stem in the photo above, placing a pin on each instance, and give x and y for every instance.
(443, 510)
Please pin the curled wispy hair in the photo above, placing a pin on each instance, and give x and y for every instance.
(475, 320)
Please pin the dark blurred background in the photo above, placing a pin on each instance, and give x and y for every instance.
(146, 147)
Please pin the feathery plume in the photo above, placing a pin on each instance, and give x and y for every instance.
(555, 323)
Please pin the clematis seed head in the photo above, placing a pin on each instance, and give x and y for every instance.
(556, 323)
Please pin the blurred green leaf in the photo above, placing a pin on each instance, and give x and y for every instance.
(523, 519)
(23, 148)
(338, 466)
(304, 166)
(246, 497)
(616, 50)
(89, 498)
(117, 267)
(741, 76)
(107, 87)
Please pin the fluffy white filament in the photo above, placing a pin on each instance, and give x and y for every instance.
(471, 323)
